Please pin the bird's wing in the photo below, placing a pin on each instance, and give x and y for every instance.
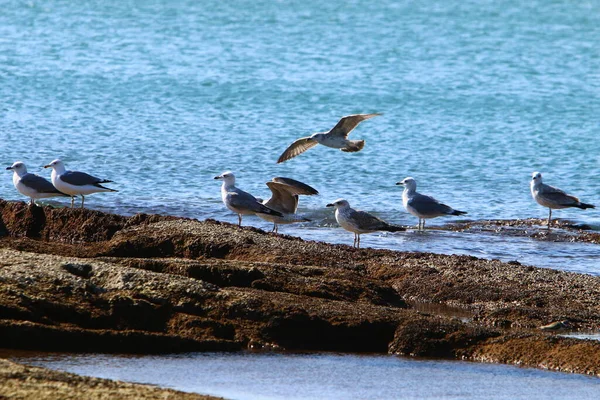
(366, 221)
(283, 199)
(558, 196)
(348, 123)
(38, 184)
(427, 205)
(296, 187)
(81, 178)
(298, 147)
(245, 201)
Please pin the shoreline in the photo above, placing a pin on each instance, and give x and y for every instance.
(87, 281)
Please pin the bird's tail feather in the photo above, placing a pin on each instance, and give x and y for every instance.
(583, 206)
(105, 188)
(394, 228)
(456, 212)
(354, 146)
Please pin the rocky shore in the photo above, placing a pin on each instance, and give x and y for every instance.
(87, 281)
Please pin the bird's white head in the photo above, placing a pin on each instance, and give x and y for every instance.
(339, 203)
(409, 183)
(18, 167)
(56, 165)
(227, 177)
(536, 178)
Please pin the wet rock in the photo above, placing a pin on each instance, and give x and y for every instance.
(81, 280)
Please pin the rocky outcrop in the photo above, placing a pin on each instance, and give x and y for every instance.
(82, 280)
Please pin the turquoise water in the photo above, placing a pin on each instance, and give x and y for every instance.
(161, 96)
(326, 376)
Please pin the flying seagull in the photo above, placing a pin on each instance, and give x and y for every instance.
(336, 138)
(240, 202)
(32, 185)
(551, 197)
(422, 206)
(284, 198)
(359, 222)
(75, 183)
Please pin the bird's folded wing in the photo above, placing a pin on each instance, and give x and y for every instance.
(298, 147)
(38, 184)
(348, 123)
(366, 221)
(427, 205)
(80, 178)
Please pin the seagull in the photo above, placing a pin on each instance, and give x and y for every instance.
(32, 185)
(284, 199)
(359, 222)
(75, 183)
(240, 202)
(336, 138)
(422, 206)
(551, 197)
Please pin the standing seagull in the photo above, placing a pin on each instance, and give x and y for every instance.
(240, 202)
(359, 222)
(551, 197)
(284, 199)
(75, 183)
(422, 206)
(336, 138)
(32, 185)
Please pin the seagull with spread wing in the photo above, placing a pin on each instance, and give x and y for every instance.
(285, 192)
(336, 138)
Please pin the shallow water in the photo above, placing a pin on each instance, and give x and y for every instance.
(162, 96)
(326, 376)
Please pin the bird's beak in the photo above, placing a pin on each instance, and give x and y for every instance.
(47, 166)
(217, 177)
(329, 205)
(400, 183)
(8, 168)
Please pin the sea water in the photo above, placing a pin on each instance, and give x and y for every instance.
(161, 96)
(326, 376)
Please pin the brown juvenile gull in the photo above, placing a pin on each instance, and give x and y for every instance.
(359, 222)
(75, 183)
(240, 202)
(32, 185)
(551, 197)
(284, 199)
(337, 138)
(422, 206)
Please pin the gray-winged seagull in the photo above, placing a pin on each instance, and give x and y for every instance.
(551, 197)
(32, 185)
(337, 138)
(75, 183)
(422, 206)
(240, 202)
(359, 222)
(284, 199)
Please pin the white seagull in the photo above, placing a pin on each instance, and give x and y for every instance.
(337, 138)
(75, 183)
(32, 185)
(240, 202)
(422, 206)
(284, 199)
(359, 222)
(551, 197)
